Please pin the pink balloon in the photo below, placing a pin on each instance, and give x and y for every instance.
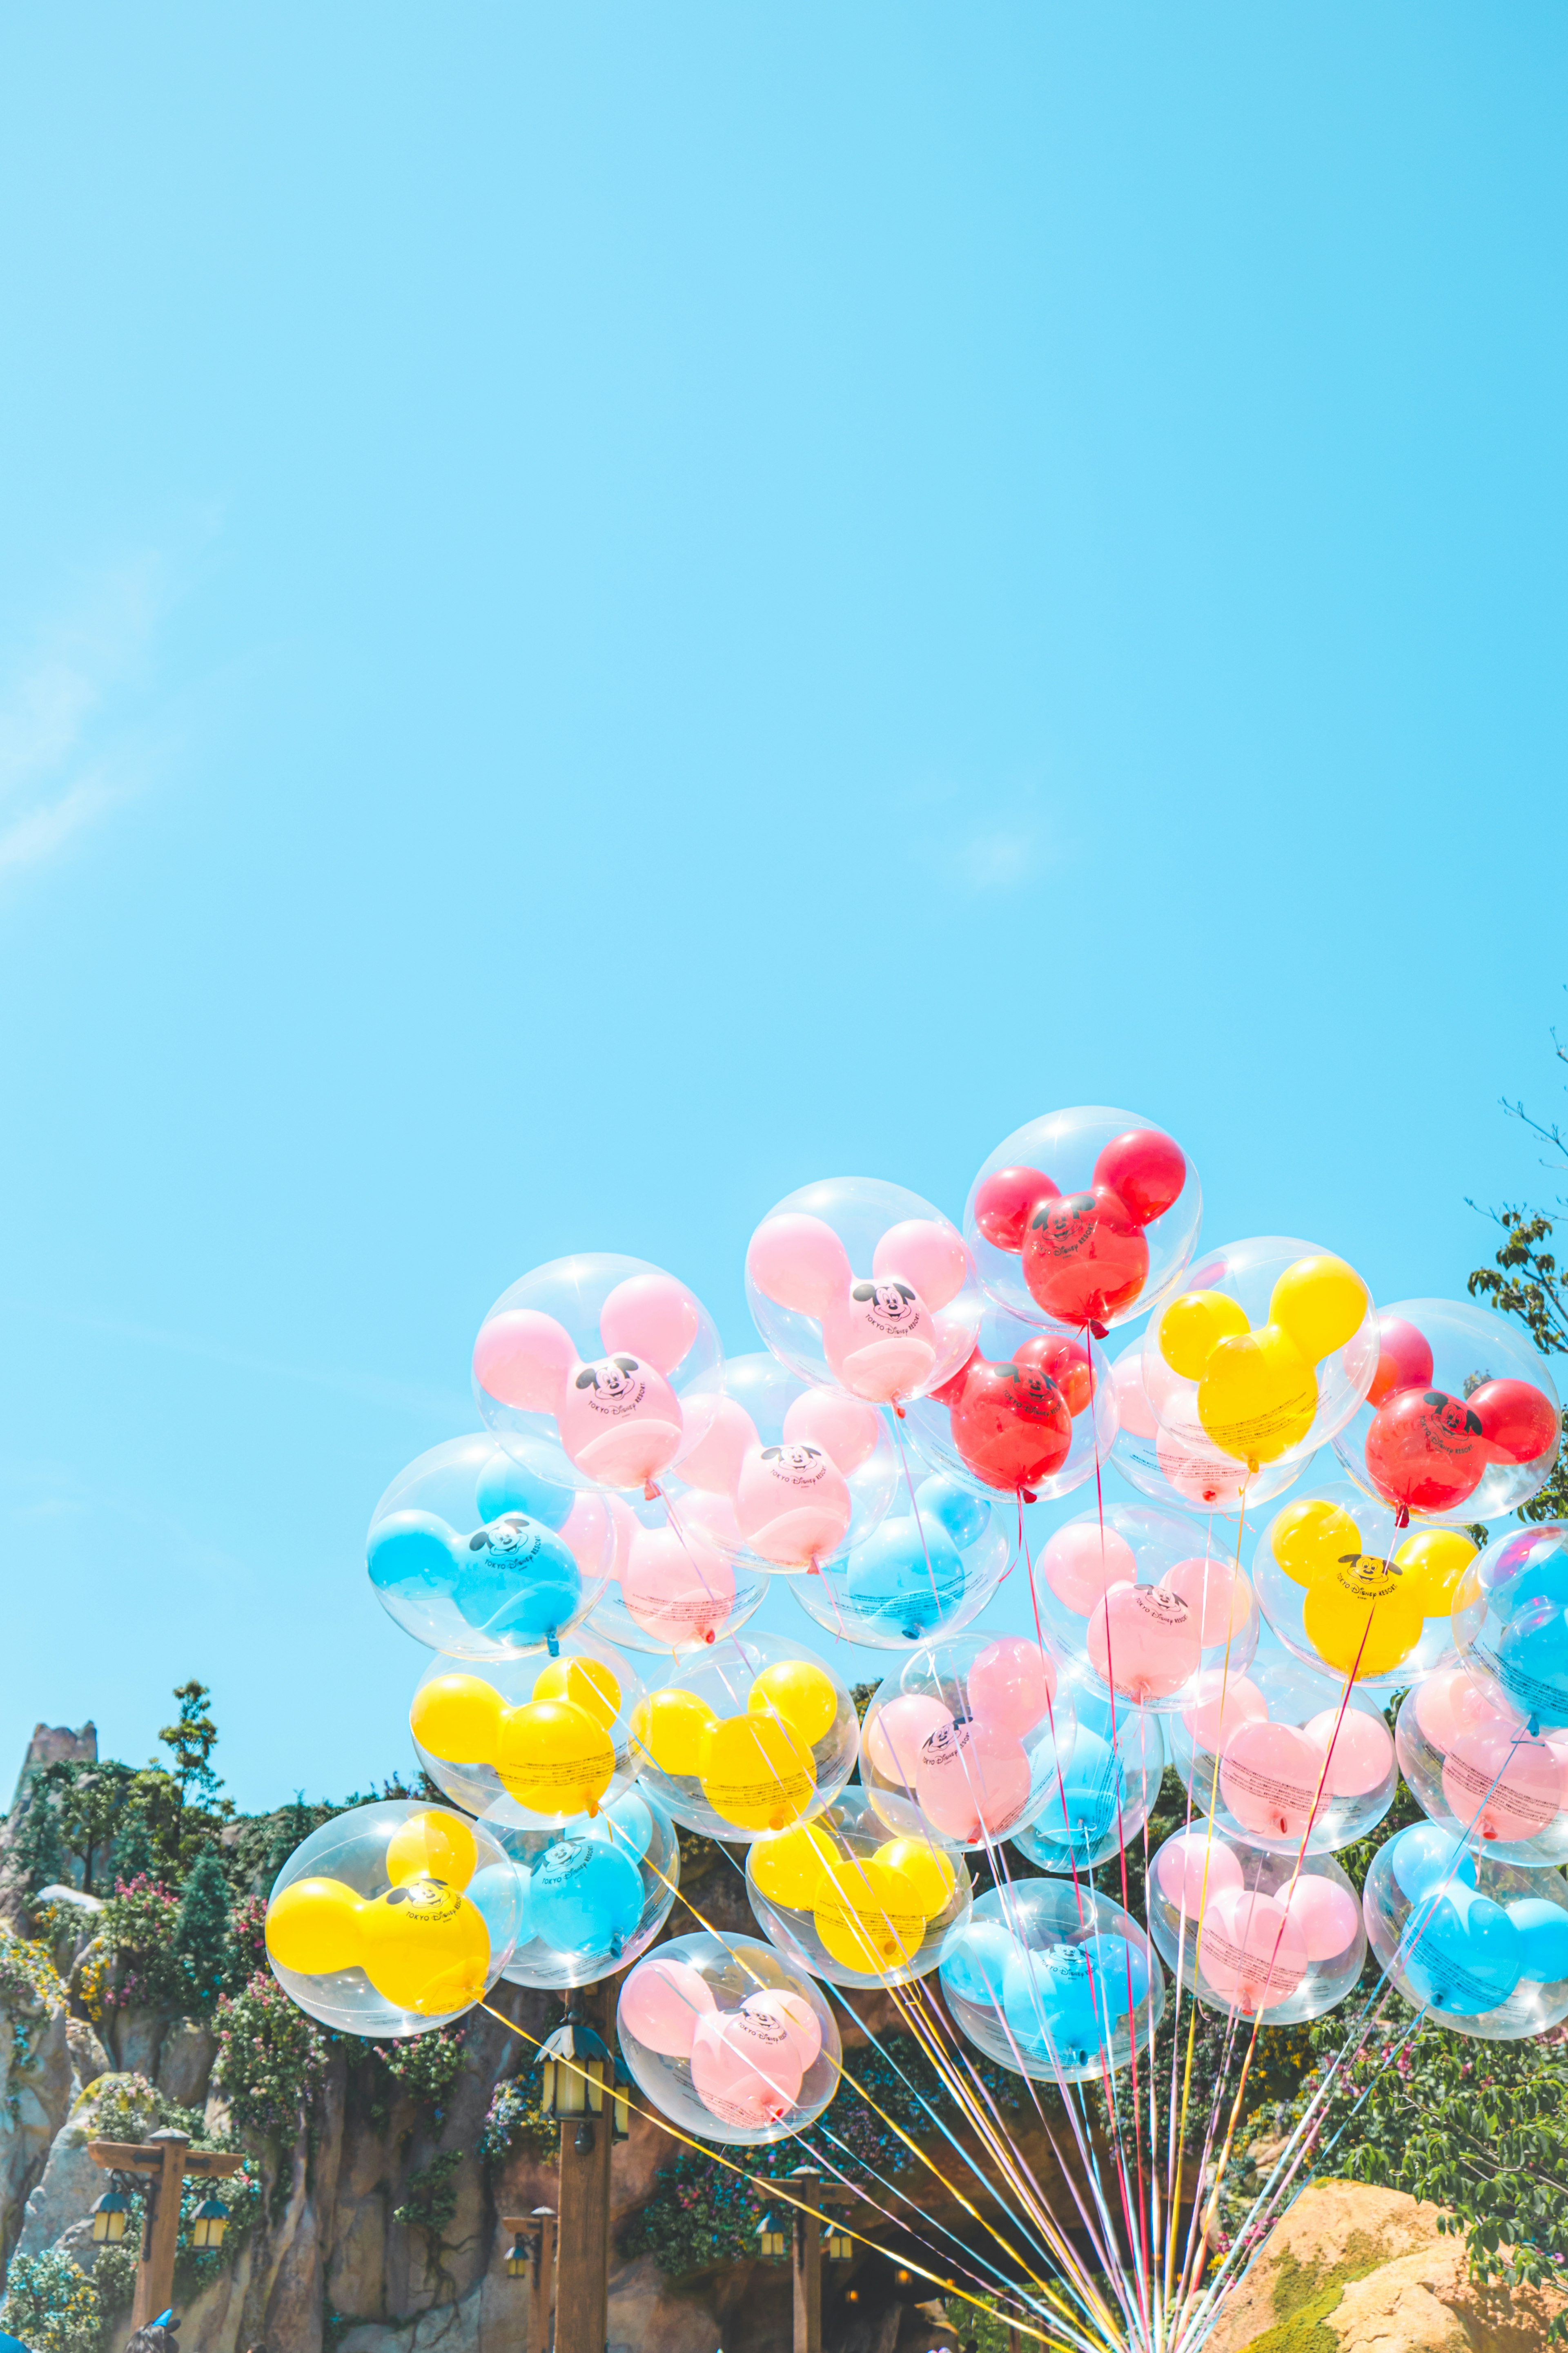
(746, 2066)
(1194, 1867)
(1269, 1776)
(585, 1533)
(1202, 1479)
(681, 1591)
(713, 1517)
(792, 1506)
(1217, 1595)
(651, 1316)
(797, 2015)
(972, 1782)
(1134, 1412)
(1012, 1685)
(1360, 1753)
(846, 1430)
(1448, 1703)
(879, 1340)
(1250, 1951)
(524, 1359)
(1504, 1786)
(1325, 1917)
(1223, 1703)
(931, 1257)
(1143, 1641)
(1082, 1561)
(898, 1732)
(660, 2005)
(798, 1262)
(724, 1432)
(619, 1421)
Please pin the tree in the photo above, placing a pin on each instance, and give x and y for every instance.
(191, 1741)
(1525, 1281)
(201, 1932)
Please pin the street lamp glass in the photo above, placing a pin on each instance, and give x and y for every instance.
(517, 2261)
(108, 2219)
(210, 2224)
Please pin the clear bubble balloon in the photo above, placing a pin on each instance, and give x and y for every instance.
(581, 1368)
(591, 1895)
(1254, 1932)
(553, 1734)
(1145, 1602)
(474, 1557)
(1481, 1944)
(1029, 1415)
(1109, 1781)
(1052, 1979)
(851, 1899)
(1171, 1470)
(1081, 1218)
(929, 1568)
(674, 1587)
(970, 1732)
(1349, 1593)
(748, 1737)
(1510, 1623)
(1461, 1420)
(1277, 1755)
(392, 1919)
(1478, 1772)
(1264, 1354)
(859, 1285)
(729, 2041)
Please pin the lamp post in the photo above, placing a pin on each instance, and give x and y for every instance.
(533, 2258)
(807, 2265)
(584, 2090)
(163, 2161)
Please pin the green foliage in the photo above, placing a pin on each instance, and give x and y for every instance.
(190, 1739)
(127, 2108)
(515, 2120)
(270, 2057)
(430, 2200)
(1525, 1281)
(201, 1942)
(426, 2066)
(138, 1927)
(51, 2304)
(29, 1978)
(980, 2328)
(114, 2275)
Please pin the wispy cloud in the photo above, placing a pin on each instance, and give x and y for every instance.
(73, 744)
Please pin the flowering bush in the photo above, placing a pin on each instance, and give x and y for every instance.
(137, 1927)
(51, 2304)
(514, 2120)
(270, 2057)
(428, 2066)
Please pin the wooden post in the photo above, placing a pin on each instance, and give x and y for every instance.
(583, 2246)
(537, 2230)
(805, 2182)
(166, 2159)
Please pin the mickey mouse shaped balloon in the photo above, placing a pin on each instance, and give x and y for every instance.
(1346, 1589)
(1461, 1413)
(1029, 1414)
(1174, 1470)
(859, 1285)
(1265, 1935)
(729, 2040)
(1083, 1219)
(1482, 1945)
(580, 1369)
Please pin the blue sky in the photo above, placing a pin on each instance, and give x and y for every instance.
(607, 611)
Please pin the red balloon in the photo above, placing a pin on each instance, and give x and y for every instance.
(1066, 1362)
(1519, 1424)
(1011, 1425)
(1084, 1258)
(1145, 1170)
(1005, 1202)
(1423, 1451)
(1405, 1360)
(952, 1389)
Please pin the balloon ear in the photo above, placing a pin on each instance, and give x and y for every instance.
(930, 1256)
(1145, 1170)
(1320, 1302)
(725, 1431)
(1193, 1327)
(845, 1428)
(653, 1316)
(522, 1358)
(412, 1552)
(799, 1262)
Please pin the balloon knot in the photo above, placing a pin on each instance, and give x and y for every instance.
(650, 1492)
(709, 1636)
(1028, 1494)
(552, 1643)
(900, 1411)
(1100, 1331)
(1401, 1516)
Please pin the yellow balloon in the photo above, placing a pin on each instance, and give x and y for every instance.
(757, 1773)
(1312, 1540)
(1259, 1396)
(313, 1927)
(1433, 1560)
(458, 1718)
(1362, 1619)
(671, 1726)
(432, 1846)
(553, 1757)
(927, 1872)
(1320, 1302)
(866, 1917)
(802, 1694)
(788, 1865)
(588, 1683)
(425, 1948)
(1193, 1327)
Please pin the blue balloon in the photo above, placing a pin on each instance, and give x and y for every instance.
(633, 1832)
(1531, 1658)
(1050, 2001)
(1090, 1783)
(1543, 1939)
(1423, 1856)
(964, 1515)
(494, 1892)
(517, 1579)
(410, 1552)
(906, 1575)
(585, 1898)
(1463, 1953)
(504, 1485)
(974, 1960)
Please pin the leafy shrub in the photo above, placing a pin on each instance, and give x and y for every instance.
(51, 2304)
(270, 2057)
(431, 2201)
(428, 2066)
(201, 1944)
(114, 2268)
(127, 2108)
(515, 2120)
(137, 1925)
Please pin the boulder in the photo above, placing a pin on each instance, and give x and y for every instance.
(35, 2085)
(88, 2058)
(185, 2062)
(71, 2185)
(1427, 2301)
